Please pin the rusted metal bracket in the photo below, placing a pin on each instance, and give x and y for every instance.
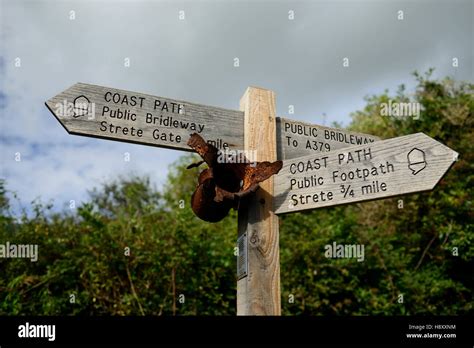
(222, 185)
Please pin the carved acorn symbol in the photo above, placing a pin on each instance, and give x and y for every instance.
(222, 185)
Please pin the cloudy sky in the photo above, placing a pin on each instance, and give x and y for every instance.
(46, 46)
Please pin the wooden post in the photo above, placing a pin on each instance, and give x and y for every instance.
(258, 293)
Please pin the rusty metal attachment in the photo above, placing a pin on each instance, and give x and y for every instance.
(222, 185)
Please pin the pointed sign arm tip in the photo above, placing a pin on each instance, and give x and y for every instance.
(55, 116)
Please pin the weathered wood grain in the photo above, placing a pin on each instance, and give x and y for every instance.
(259, 292)
(298, 139)
(400, 177)
(219, 125)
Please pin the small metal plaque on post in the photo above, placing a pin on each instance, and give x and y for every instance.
(242, 260)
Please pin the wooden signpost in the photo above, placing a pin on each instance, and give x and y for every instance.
(297, 139)
(258, 293)
(115, 114)
(397, 166)
(119, 115)
(322, 166)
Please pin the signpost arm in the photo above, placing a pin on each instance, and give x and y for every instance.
(258, 293)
